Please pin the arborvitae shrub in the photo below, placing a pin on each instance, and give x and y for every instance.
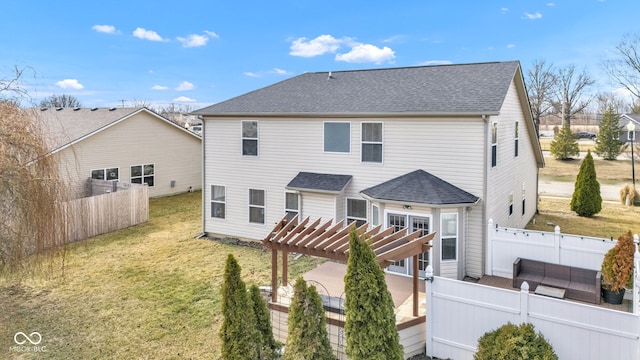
(586, 200)
(514, 342)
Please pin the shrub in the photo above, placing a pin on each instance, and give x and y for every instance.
(629, 195)
(617, 266)
(514, 342)
(307, 338)
(586, 200)
(564, 145)
(268, 346)
(370, 324)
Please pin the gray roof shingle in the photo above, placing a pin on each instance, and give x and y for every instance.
(319, 182)
(467, 88)
(420, 187)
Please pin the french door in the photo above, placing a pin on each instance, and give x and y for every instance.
(401, 221)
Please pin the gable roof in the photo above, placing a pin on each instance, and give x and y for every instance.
(420, 187)
(67, 126)
(625, 118)
(478, 88)
(330, 183)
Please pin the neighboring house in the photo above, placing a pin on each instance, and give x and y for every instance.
(131, 145)
(436, 148)
(624, 121)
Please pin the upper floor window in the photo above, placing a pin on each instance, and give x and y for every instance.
(106, 174)
(517, 136)
(337, 137)
(143, 174)
(494, 144)
(250, 138)
(510, 204)
(372, 142)
(256, 206)
(291, 204)
(523, 200)
(356, 211)
(218, 201)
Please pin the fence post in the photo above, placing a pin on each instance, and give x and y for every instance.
(524, 302)
(428, 289)
(636, 279)
(556, 244)
(489, 256)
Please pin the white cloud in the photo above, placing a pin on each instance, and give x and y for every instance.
(274, 71)
(280, 71)
(511, 46)
(367, 53)
(144, 34)
(194, 40)
(184, 86)
(321, 45)
(533, 16)
(504, 10)
(212, 34)
(436, 62)
(159, 87)
(551, 4)
(183, 99)
(395, 38)
(250, 74)
(107, 29)
(71, 84)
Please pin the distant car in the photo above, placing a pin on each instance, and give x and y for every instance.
(585, 135)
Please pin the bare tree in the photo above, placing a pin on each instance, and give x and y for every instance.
(11, 86)
(540, 83)
(60, 101)
(569, 92)
(624, 69)
(611, 100)
(30, 187)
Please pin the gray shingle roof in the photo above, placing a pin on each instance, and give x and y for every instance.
(420, 187)
(468, 88)
(319, 182)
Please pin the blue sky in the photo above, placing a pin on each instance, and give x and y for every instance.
(196, 53)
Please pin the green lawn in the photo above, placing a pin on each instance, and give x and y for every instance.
(150, 291)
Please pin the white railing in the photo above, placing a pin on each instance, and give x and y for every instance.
(459, 313)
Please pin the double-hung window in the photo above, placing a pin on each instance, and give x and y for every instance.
(523, 200)
(510, 204)
(494, 144)
(291, 204)
(249, 138)
(143, 174)
(218, 201)
(517, 135)
(111, 174)
(372, 142)
(449, 238)
(256, 206)
(356, 211)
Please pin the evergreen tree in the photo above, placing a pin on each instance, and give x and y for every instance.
(238, 332)
(608, 144)
(307, 338)
(564, 145)
(268, 346)
(586, 200)
(370, 325)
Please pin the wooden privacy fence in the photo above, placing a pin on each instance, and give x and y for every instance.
(459, 313)
(87, 217)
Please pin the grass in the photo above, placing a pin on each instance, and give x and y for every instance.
(614, 219)
(583, 144)
(607, 172)
(149, 291)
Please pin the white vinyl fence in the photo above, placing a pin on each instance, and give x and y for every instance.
(459, 313)
(505, 245)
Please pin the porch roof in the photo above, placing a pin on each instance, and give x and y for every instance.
(420, 187)
(331, 183)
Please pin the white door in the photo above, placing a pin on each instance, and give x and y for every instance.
(414, 222)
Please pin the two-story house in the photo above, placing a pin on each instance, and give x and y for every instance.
(436, 148)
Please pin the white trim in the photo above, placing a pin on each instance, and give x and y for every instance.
(242, 138)
(323, 137)
(142, 176)
(105, 173)
(381, 143)
(346, 209)
(211, 201)
(297, 194)
(263, 207)
(442, 237)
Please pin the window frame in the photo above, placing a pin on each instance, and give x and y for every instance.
(364, 142)
(359, 220)
(324, 137)
(214, 201)
(142, 175)
(289, 211)
(494, 144)
(244, 138)
(523, 200)
(510, 204)
(449, 237)
(104, 173)
(257, 206)
(517, 138)
(375, 215)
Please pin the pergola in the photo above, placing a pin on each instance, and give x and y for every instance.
(331, 241)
